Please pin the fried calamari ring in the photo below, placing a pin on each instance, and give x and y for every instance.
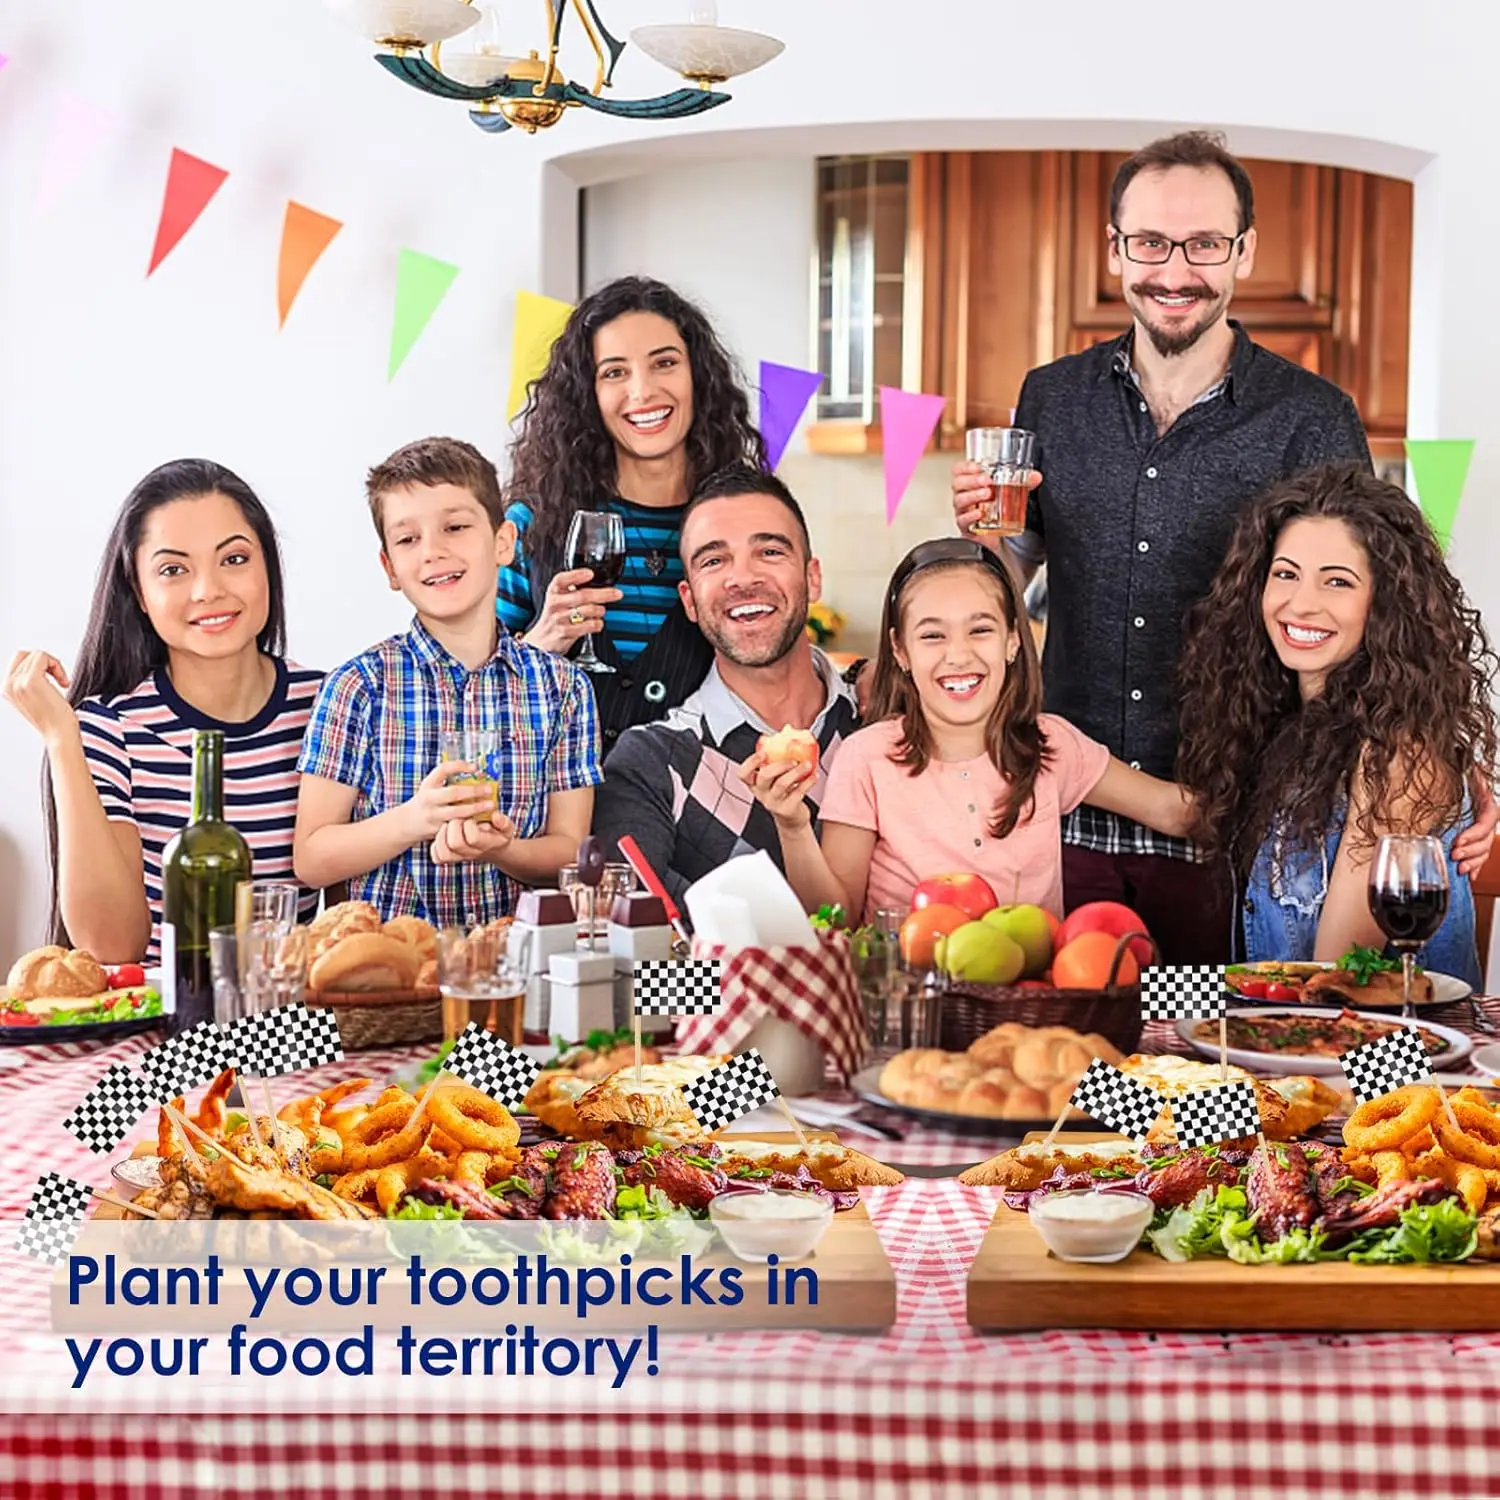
(1382, 1124)
(358, 1187)
(1419, 1144)
(1390, 1166)
(1478, 1142)
(1463, 1177)
(387, 1134)
(469, 1167)
(473, 1119)
(392, 1183)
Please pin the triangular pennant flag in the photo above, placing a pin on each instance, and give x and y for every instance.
(3, 59)
(1439, 467)
(191, 183)
(305, 235)
(422, 282)
(784, 394)
(907, 420)
(539, 320)
(77, 130)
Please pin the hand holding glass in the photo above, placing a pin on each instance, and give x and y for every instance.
(596, 540)
(475, 747)
(1005, 453)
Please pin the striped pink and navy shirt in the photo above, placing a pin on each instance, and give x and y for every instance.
(139, 747)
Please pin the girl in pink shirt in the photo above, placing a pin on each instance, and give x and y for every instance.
(959, 770)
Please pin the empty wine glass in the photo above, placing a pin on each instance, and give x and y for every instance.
(1408, 898)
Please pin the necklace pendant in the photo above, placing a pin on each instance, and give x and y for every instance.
(656, 562)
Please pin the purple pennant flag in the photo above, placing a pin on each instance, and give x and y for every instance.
(784, 394)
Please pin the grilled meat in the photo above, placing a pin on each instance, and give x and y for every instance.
(1383, 1208)
(583, 1183)
(1327, 1170)
(1179, 1179)
(232, 1184)
(471, 1201)
(1279, 1186)
(687, 1184)
(522, 1194)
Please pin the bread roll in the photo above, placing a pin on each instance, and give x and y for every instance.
(997, 1046)
(55, 973)
(367, 961)
(337, 923)
(421, 935)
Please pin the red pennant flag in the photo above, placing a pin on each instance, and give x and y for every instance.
(305, 235)
(191, 183)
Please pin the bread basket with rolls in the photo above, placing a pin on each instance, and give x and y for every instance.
(379, 978)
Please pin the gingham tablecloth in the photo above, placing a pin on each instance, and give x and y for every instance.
(927, 1408)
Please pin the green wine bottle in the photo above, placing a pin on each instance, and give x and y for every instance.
(200, 870)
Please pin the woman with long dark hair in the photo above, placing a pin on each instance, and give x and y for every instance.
(186, 632)
(638, 403)
(1336, 687)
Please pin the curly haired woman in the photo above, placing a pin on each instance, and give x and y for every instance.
(638, 403)
(1336, 687)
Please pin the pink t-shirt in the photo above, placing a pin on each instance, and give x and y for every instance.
(938, 823)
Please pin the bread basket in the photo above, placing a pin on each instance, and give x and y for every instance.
(970, 1010)
(383, 1018)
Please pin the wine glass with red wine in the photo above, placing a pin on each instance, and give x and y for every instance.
(1408, 898)
(596, 539)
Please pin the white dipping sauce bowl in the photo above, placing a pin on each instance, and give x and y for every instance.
(1092, 1227)
(135, 1174)
(779, 1221)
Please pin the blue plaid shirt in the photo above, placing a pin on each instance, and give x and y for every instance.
(377, 727)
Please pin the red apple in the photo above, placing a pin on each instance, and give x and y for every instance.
(971, 894)
(789, 745)
(1109, 917)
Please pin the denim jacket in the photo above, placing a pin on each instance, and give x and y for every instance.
(1283, 900)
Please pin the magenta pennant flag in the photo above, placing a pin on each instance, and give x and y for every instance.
(78, 129)
(907, 421)
(784, 394)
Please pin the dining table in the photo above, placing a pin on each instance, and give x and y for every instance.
(926, 1407)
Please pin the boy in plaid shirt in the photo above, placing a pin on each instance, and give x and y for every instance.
(377, 807)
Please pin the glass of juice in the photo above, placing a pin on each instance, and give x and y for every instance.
(479, 748)
(1006, 454)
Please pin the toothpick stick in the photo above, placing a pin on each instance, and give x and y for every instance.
(635, 1017)
(265, 1085)
(1057, 1124)
(792, 1120)
(182, 1122)
(1448, 1108)
(260, 1145)
(1223, 1046)
(103, 1197)
(443, 1076)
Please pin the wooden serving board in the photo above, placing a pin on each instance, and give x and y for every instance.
(855, 1283)
(1015, 1283)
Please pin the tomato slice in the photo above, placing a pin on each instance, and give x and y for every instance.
(126, 977)
(1251, 989)
(1282, 992)
(20, 1018)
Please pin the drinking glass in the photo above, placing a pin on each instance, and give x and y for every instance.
(482, 978)
(224, 971)
(266, 901)
(480, 749)
(1005, 453)
(1408, 898)
(618, 880)
(272, 966)
(596, 539)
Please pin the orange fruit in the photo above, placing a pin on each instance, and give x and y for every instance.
(921, 930)
(1084, 963)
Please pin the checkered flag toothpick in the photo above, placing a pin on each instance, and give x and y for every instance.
(1116, 1099)
(184, 1061)
(1389, 1062)
(667, 987)
(1225, 1112)
(1193, 993)
(490, 1064)
(110, 1110)
(54, 1216)
(285, 1040)
(722, 1095)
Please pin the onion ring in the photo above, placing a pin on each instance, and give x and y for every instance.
(357, 1187)
(1382, 1124)
(387, 1134)
(392, 1183)
(1478, 1141)
(473, 1119)
(1463, 1177)
(1390, 1166)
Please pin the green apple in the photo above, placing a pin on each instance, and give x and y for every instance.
(1030, 928)
(978, 954)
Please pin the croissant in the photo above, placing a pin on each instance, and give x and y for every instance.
(55, 973)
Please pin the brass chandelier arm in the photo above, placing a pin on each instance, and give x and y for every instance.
(556, 15)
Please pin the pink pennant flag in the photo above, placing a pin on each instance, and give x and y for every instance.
(784, 394)
(3, 59)
(907, 421)
(78, 129)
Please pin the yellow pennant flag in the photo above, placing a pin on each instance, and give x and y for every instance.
(539, 320)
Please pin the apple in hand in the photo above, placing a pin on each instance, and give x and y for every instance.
(1109, 917)
(971, 894)
(789, 745)
(1030, 928)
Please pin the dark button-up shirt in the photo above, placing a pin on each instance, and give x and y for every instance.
(1133, 527)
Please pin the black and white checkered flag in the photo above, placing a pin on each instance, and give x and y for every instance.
(1192, 993)
(1116, 1099)
(667, 987)
(184, 1061)
(723, 1094)
(285, 1040)
(1225, 1112)
(110, 1110)
(490, 1064)
(1389, 1062)
(54, 1216)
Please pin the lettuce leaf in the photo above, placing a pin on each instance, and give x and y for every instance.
(1199, 1228)
(1443, 1231)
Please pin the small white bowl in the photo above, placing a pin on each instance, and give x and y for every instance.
(778, 1221)
(1486, 1059)
(1070, 1235)
(135, 1174)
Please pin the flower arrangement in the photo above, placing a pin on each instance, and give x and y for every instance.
(823, 624)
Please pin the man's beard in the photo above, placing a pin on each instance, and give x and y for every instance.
(795, 628)
(1174, 341)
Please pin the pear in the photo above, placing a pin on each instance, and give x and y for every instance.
(1029, 928)
(978, 954)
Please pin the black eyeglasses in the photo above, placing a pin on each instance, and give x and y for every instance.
(1157, 249)
(952, 549)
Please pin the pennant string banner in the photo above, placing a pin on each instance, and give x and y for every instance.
(422, 281)
(1439, 468)
(191, 185)
(305, 235)
(907, 422)
(784, 394)
(538, 323)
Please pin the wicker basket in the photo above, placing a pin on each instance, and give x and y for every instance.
(970, 1010)
(383, 1018)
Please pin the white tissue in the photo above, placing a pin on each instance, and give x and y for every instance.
(747, 903)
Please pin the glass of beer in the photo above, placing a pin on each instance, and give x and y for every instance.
(1005, 453)
(482, 978)
(480, 749)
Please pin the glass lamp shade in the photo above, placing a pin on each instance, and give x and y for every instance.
(706, 54)
(478, 59)
(406, 23)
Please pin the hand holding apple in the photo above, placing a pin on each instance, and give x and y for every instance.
(788, 745)
(780, 787)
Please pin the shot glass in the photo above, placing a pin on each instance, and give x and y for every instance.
(1005, 453)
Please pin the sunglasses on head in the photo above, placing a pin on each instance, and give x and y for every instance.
(953, 549)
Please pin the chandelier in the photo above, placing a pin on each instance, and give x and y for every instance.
(504, 87)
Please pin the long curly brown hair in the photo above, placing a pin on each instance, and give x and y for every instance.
(1417, 690)
(564, 459)
(1013, 736)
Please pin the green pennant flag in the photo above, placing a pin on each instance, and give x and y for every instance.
(421, 283)
(1439, 467)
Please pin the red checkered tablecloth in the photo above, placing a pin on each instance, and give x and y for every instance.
(927, 1408)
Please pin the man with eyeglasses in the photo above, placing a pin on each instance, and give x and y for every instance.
(1147, 447)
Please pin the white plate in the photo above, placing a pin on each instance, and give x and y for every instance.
(1446, 989)
(1283, 1063)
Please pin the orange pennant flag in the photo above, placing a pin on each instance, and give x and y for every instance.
(305, 235)
(191, 183)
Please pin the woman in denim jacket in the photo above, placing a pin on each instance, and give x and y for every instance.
(1336, 687)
